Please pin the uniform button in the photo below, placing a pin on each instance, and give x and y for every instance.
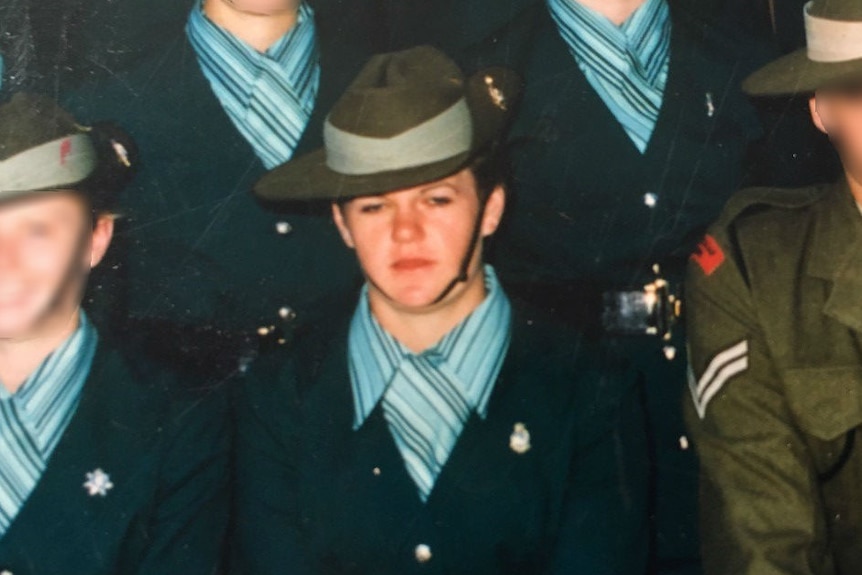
(650, 200)
(283, 228)
(423, 553)
(683, 443)
(287, 313)
(376, 471)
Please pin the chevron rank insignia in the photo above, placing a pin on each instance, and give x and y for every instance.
(724, 366)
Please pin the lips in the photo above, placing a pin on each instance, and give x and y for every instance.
(411, 264)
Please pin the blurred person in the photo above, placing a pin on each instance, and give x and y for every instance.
(110, 465)
(775, 323)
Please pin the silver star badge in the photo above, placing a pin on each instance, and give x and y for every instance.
(98, 483)
(519, 441)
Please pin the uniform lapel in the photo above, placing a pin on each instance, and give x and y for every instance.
(553, 71)
(482, 461)
(836, 256)
(113, 429)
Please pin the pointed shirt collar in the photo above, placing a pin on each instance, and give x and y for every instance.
(646, 34)
(474, 349)
(47, 399)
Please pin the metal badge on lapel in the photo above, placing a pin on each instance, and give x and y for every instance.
(519, 441)
(98, 483)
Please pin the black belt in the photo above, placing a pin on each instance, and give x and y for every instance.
(652, 310)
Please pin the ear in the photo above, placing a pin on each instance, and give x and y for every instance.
(494, 207)
(338, 217)
(819, 112)
(103, 231)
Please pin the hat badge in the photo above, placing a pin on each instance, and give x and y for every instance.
(495, 93)
(519, 441)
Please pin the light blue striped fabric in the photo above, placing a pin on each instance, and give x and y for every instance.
(627, 65)
(35, 417)
(428, 397)
(268, 96)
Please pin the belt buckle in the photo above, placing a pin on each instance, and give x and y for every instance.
(653, 310)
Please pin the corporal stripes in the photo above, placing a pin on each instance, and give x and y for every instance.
(268, 96)
(723, 367)
(33, 420)
(427, 398)
(627, 65)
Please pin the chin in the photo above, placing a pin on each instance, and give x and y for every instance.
(18, 321)
(414, 300)
(14, 328)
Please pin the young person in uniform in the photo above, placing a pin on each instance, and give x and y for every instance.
(108, 464)
(432, 425)
(216, 92)
(775, 317)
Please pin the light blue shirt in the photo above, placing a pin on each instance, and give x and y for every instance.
(34, 418)
(474, 350)
(626, 65)
(268, 96)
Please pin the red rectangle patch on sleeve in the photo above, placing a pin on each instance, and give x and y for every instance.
(708, 255)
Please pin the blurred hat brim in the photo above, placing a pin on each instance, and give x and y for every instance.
(797, 74)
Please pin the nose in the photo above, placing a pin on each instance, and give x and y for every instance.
(407, 224)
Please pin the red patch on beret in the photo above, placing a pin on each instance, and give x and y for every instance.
(708, 255)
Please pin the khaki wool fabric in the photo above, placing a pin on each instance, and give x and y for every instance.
(781, 479)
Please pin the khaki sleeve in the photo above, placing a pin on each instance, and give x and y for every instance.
(760, 511)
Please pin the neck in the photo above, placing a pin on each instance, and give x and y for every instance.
(258, 30)
(617, 11)
(419, 329)
(20, 356)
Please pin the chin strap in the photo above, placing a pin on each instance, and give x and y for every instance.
(464, 269)
(465, 263)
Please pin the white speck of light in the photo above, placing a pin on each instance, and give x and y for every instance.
(650, 200)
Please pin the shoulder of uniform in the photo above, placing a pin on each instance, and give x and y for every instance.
(754, 217)
(721, 40)
(778, 200)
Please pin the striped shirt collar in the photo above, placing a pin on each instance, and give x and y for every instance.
(633, 57)
(645, 33)
(47, 399)
(474, 350)
(269, 96)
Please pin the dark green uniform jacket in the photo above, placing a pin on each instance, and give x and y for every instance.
(165, 450)
(775, 316)
(194, 247)
(314, 496)
(582, 220)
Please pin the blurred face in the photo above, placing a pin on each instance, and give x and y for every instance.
(412, 243)
(838, 113)
(262, 7)
(47, 247)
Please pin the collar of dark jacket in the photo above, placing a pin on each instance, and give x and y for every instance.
(836, 255)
